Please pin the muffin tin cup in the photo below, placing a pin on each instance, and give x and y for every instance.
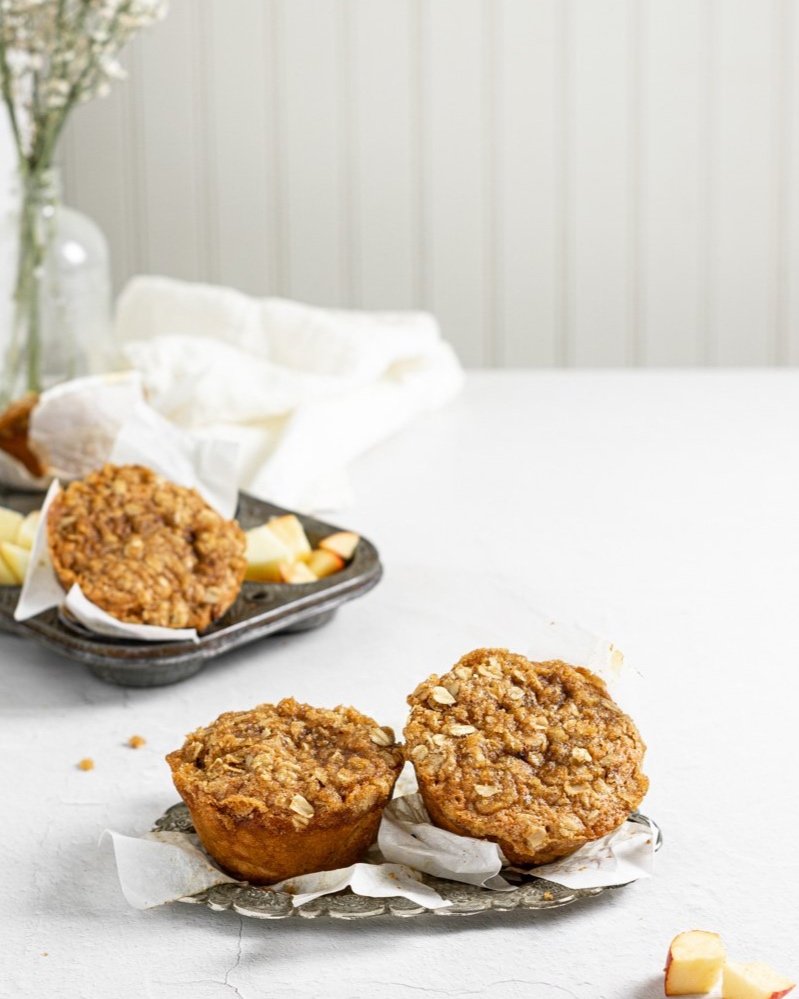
(260, 609)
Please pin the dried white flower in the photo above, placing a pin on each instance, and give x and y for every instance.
(55, 54)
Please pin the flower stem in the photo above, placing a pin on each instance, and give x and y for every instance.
(24, 353)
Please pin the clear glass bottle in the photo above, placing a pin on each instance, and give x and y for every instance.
(62, 299)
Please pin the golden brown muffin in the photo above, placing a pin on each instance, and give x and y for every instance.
(287, 789)
(14, 434)
(145, 550)
(534, 756)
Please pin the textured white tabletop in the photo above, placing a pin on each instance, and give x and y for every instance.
(660, 509)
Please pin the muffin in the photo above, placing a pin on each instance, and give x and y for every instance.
(536, 757)
(144, 549)
(287, 789)
(14, 434)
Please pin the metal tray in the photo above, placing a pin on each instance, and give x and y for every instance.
(467, 900)
(260, 609)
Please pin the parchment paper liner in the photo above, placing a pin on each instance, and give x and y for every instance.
(162, 867)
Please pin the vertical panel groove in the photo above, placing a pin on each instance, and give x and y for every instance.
(132, 248)
(280, 219)
(123, 264)
(636, 338)
(137, 153)
(422, 154)
(493, 349)
(710, 164)
(563, 141)
(207, 188)
(783, 44)
(350, 279)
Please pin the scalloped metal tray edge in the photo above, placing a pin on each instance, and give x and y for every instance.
(261, 609)
(467, 900)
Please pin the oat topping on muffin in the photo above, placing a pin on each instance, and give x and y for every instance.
(286, 789)
(144, 549)
(535, 756)
(290, 761)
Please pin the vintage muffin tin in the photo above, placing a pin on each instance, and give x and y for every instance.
(261, 609)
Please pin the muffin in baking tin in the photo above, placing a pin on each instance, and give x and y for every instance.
(534, 756)
(287, 789)
(144, 549)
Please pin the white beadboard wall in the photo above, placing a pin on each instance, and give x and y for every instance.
(8, 231)
(563, 182)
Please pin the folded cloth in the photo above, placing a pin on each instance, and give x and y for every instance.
(303, 390)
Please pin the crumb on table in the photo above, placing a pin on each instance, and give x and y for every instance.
(87, 763)
(135, 741)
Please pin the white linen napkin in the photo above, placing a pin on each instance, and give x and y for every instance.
(303, 390)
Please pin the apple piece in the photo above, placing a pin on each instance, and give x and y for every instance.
(342, 543)
(7, 577)
(10, 522)
(296, 572)
(16, 559)
(323, 563)
(694, 963)
(292, 534)
(265, 551)
(27, 530)
(754, 981)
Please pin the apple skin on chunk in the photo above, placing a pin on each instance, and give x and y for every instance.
(291, 532)
(16, 559)
(323, 563)
(694, 963)
(10, 523)
(343, 544)
(754, 981)
(265, 553)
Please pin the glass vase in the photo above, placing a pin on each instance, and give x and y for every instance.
(61, 325)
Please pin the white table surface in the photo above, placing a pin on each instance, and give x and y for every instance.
(661, 509)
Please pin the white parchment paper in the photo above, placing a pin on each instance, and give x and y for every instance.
(73, 427)
(407, 836)
(161, 867)
(164, 867)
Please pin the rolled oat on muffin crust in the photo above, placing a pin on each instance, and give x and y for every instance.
(287, 789)
(536, 757)
(144, 549)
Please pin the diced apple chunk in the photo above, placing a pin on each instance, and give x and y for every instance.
(265, 553)
(16, 559)
(342, 543)
(694, 963)
(291, 532)
(10, 523)
(296, 572)
(754, 981)
(324, 563)
(27, 530)
(7, 577)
